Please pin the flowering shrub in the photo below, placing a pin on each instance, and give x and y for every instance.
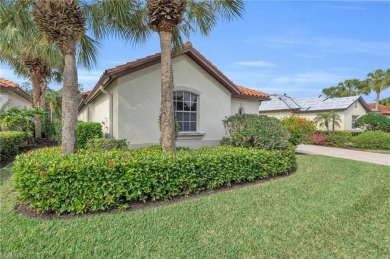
(332, 139)
(299, 128)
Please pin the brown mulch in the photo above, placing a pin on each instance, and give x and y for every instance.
(24, 209)
(38, 144)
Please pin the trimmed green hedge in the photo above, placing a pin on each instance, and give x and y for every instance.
(372, 140)
(10, 143)
(106, 144)
(96, 181)
(87, 131)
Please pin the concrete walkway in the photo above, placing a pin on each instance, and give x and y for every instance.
(376, 158)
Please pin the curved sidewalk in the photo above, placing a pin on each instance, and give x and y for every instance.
(376, 158)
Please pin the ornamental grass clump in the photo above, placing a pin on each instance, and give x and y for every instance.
(88, 180)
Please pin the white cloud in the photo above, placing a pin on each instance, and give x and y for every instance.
(258, 63)
(310, 77)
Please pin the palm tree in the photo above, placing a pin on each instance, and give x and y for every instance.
(378, 81)
(325, 118)
(168, 18)
(64, 22)
(335, 119)
(53, 101)
(27, 51)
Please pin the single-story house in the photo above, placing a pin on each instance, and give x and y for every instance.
(349, 108)
(126, 100)
(10, 91)
(383, 109)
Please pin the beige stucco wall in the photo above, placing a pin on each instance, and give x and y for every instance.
(139, 103)
(15, 100)
(249, 105)
(353, 110)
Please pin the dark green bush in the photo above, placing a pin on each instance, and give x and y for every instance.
(92, 181)
(374, 121)
(10, 143)
(251, 130)
(106, 144)
(87, 131)
(372, 140)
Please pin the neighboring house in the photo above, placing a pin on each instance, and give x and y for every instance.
(383, 109)
(10, 91)
(349, 108)
(127, 98)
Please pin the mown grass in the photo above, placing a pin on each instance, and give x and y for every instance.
(329, 208)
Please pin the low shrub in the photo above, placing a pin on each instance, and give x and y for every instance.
(93, 181)
(372, 140)
(374, 121)
(300, 128)
(87, 131)
(10, 143)
(251, 130)
(106, 144)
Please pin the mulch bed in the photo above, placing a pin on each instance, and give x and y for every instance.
(26, 210)
(38, 144)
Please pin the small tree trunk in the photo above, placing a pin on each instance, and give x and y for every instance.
(69, 100)
(36, 95)
(167, 112)
(377, 100)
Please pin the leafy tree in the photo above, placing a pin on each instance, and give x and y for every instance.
(168, 18)
(351, 87)
(327, 118)
(385, 101)
(374, 121)
(377, 81)
(20, 119)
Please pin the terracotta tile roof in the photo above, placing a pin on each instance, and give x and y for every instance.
(251, 92)
(85, 94)
(112, 73)
(383, 109)
(8, 84)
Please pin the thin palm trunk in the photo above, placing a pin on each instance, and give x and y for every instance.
(36, 95)
(167, 112)
(377, 100)
(69, 101)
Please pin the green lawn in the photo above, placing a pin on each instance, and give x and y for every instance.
(329, 208)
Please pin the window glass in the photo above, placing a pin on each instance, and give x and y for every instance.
(186, 106)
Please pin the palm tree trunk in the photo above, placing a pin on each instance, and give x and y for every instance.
(167, 112)
(69, 100)
(36, 95)
(377, 100)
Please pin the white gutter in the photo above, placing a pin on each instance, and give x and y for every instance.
(110, 114)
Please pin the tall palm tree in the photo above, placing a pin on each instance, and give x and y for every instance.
(27, 51)
(64, 22)
(378, 81)
(168, 18)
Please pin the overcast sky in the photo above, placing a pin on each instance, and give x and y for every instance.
(292, 47)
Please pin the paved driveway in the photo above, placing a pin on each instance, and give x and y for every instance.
(382, 159)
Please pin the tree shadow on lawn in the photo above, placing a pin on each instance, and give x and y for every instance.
(24, 209)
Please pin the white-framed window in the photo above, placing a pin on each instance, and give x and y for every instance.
(354, 118)
(186, 109)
